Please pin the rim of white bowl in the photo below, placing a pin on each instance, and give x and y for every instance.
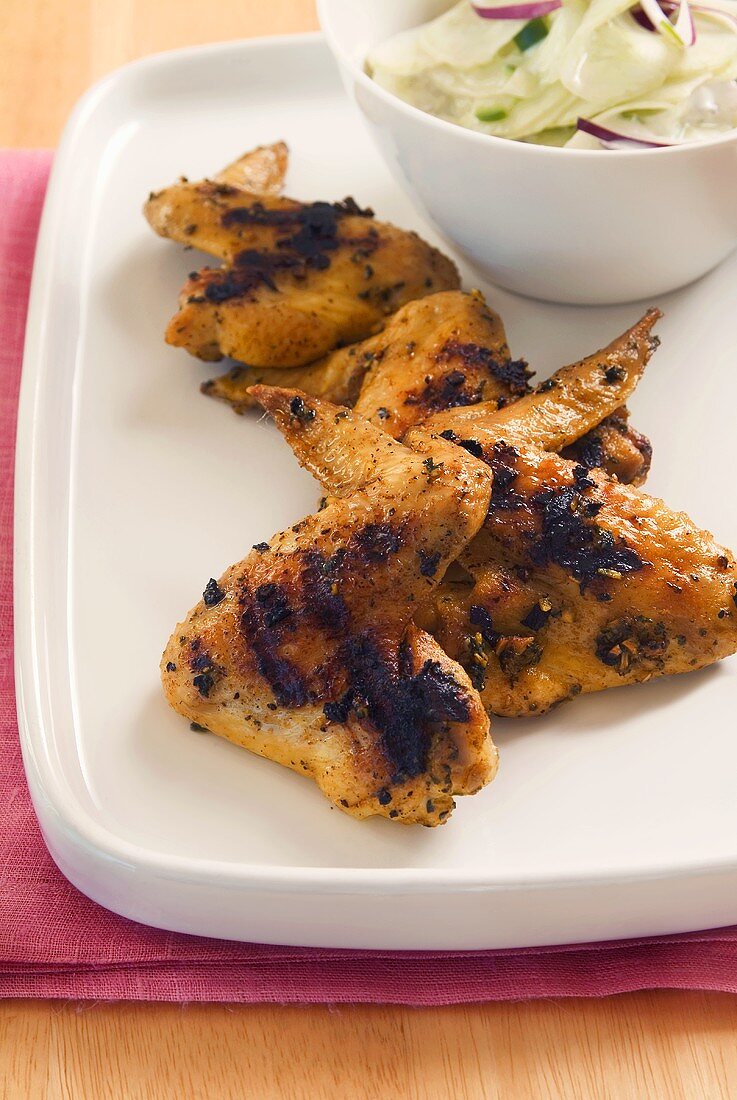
(336, 47)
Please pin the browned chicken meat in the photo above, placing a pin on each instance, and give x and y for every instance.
(449, 350)
(574, 400)
(571, 562)
(306, 653)
(336, 377)
(616, 447)
(435, 353)
(298, 280)
(579, 583)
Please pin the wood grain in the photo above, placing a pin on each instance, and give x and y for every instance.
(52, 50)
(668, 1046)
(645, 1046)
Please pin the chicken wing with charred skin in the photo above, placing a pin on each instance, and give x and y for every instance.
(336, 377)
(578, 583)
(434, 353)
(298, 280)
(306, 653)
(572, 402)
(448, 351)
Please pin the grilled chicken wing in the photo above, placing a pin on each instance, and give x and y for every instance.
(299, 278)
(305, 652)
(616, 447)
(193, 213)
(573, 401)
(578, 583)
(336, 377)
(444, 351)
(449, 350)
(435, 353)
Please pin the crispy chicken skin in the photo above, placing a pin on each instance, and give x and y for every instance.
(435, 353)
(441, 352)
(449, 350)
(616, 447)
(305, 652)
(192, 212)
(298, 280)
(336, 377)
(574, 400)
(579, 583)
(276, 309)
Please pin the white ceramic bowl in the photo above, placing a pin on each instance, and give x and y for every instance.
(580, 226)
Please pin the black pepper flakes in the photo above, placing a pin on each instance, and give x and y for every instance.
(538, 615)
(170, 666)
(480, 617)
(428, 562)
(204, 682)
(213, 594)
(614, 374)
(432, 468)
(260, 547)
(383, 796)
(300, 411)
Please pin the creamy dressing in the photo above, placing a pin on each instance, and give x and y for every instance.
(533, 79)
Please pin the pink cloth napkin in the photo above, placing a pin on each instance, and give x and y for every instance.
(54, 942)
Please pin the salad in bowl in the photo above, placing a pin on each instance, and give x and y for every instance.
(586, 74)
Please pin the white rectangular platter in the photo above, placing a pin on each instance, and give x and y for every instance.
(614, 816)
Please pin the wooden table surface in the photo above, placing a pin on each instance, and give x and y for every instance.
(647, 1045)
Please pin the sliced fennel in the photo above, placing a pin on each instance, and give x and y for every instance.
(599, 60)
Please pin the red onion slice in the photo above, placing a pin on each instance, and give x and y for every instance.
(685, 27)
(706, 10)
(653, 15)
(613, 139)
(532, 10)
(671, 6)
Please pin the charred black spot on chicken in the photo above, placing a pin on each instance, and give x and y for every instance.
(402, 706)
(627, 642)
(339, 709)
(320, 581)
(503, 461)
(572, 539)
(481, 618)
(446, 391)
(377, 541)
(428, 562)
(213, 594)
(264, 636)
(514, 373)
(315, 234)
(538, 615)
